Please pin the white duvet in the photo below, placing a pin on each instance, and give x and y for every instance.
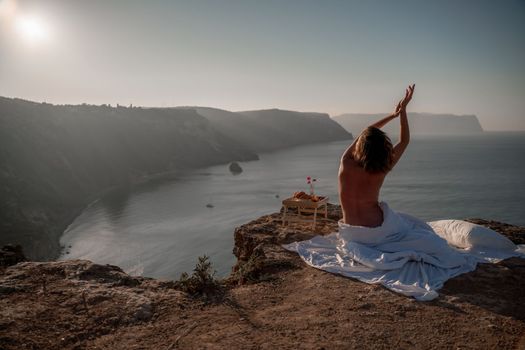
(405, 254)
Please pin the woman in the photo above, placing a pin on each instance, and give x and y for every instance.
(376, 244)
(365, 164)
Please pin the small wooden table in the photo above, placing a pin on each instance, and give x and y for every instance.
(304, 207)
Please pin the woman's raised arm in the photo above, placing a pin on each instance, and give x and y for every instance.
(404, 132)
(380, 123)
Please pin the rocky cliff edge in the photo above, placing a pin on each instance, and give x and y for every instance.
(271, 300)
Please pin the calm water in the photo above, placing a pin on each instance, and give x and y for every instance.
(159, 229)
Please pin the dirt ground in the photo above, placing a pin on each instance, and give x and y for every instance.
(81, 305)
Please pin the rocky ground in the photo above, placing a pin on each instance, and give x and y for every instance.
(272, 300)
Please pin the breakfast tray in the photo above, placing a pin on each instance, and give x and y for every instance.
(305, 209)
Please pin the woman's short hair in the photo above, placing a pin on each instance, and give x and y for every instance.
(374, 151)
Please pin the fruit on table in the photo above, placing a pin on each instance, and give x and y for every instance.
(305, 196)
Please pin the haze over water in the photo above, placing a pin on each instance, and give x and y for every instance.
(158, 229)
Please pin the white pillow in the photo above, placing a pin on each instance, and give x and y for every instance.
(463, 234)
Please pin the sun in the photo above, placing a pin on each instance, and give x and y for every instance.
(32, 29)
(27, 27)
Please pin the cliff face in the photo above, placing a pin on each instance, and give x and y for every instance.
(54, 158)
(273, 300)
(420, 123)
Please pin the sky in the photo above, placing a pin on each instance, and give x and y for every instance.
(333, 56)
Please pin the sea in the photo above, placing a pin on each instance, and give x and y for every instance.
(159, 228)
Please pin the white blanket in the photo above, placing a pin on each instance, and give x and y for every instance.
(404, 254)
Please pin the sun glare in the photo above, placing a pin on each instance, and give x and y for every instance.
(32, 29)
(7, 8)
(28, 28)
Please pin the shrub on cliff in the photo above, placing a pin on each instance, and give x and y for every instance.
(202, 282)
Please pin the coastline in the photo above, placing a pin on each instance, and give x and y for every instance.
(166, 176)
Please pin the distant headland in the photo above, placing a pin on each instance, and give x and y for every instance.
(420, 123)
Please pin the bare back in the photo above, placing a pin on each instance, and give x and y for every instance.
(359, 195)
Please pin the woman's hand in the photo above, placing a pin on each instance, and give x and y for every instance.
(409, 92)
(397, 110)
(400, 108)
(402, 105)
